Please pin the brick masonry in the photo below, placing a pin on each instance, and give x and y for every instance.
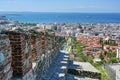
(35, 45)
(21, 52)
(5, 58)
(32, 53)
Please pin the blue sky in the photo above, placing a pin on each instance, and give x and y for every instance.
(61, 5)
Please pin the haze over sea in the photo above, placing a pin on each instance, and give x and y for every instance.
(47, 17)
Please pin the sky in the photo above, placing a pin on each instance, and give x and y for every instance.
(102, 6)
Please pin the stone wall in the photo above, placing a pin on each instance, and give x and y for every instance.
(32, 53)
(35, 45)
(36, 53)
(5, 58)
(21, 52)
(48, 51)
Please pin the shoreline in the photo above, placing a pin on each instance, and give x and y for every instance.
(51, 17)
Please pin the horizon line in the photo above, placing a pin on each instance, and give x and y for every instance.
(55, 12)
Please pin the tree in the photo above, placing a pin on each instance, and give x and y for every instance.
(112, 60)
(90, 59)
(101, 57)
(111, 55)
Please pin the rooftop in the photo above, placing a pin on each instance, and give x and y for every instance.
(73, 77)
(84, 66)
(116, 67)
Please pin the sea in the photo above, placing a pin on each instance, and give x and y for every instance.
(53, 17)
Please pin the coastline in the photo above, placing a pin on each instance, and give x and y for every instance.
(51, 17)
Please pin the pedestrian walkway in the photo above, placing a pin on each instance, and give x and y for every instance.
(58, 68)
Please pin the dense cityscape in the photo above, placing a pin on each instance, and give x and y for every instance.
(60, 40)
(59, 51)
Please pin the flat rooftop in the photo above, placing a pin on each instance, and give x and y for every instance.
(83, 66)
(73, 77)
(116, 67)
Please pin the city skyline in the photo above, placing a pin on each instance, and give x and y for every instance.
(88, 6)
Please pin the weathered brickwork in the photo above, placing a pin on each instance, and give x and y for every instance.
(48, 51)
(21, 52)
(43, 62)
(5, 58)
(55, 49)
(32, 53)
(35, 45)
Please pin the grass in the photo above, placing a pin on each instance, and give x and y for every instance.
(68, 49)
(69, 41)
(79, 48)
(103, 71)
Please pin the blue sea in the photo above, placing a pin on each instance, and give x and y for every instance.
(42, 17)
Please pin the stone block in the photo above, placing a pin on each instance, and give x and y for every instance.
(5, 58)
(21, 51)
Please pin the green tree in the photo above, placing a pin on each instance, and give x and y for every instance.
(101, 57)
(112, 60)
(90, 59)
(111, 55)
